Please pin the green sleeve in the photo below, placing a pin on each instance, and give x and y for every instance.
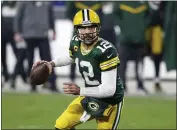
(73, 46)
(109, 59)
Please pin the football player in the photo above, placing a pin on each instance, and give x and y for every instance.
(97, 60)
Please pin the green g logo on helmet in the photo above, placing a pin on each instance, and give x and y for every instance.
(93, 106)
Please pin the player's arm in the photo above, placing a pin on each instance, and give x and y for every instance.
(17, 23)
(59, 61)
(19, 17)
(51, 17)
(106, 89)
(65, 60)
(62, 61)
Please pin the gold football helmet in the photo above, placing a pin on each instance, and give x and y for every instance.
(83, 19)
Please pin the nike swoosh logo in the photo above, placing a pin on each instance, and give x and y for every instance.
(109, 56)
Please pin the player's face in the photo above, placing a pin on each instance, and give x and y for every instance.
(87, 34)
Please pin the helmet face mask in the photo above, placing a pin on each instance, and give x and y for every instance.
(87, 26)
(87, 34)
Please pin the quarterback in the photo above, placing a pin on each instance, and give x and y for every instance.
(97, 60)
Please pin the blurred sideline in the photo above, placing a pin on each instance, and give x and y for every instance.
(60, 47)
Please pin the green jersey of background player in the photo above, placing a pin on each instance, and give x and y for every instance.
(97, 61)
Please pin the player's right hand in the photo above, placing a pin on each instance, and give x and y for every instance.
(45, 62)
(17, 37)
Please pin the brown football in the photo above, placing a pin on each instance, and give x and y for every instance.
(39, 74)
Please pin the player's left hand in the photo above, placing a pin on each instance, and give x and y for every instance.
(71, 88)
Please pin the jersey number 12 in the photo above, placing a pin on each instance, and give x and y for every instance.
(89, 74)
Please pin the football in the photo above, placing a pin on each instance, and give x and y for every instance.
(39, 74)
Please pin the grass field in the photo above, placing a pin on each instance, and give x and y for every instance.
(39, 111)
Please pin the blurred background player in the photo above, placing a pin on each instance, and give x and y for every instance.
(155, 38)
(132, 18)
(170, 37)
(7, 34)
(18, 69)
(32, 23)
(108, 24)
